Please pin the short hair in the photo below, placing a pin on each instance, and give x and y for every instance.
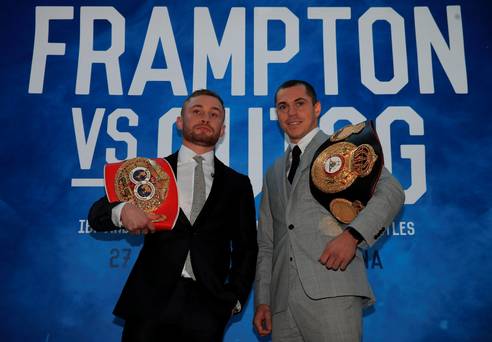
(201, 92)
(291, 83)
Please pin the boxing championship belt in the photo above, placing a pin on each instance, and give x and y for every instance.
(149, 184)
(345, 170)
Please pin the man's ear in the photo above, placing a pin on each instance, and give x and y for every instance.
(222, 131)
(179, 122)
(317, 109)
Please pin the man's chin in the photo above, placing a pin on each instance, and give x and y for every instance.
(294, 135)
(204, 141)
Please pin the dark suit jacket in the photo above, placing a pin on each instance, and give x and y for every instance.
(222, 243)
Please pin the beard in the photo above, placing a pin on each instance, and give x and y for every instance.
(200, 137)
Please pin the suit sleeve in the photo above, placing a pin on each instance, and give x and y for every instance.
(265, 250)
(381, 209)
(100, 215)
(244, 245)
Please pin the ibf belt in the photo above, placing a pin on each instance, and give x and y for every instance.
(345, 170)
(149, 184)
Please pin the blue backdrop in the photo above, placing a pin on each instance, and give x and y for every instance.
(90, 82)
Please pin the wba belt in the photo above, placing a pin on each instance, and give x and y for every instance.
(150, 184)
(345, 170)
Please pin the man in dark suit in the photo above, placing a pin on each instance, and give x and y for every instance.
(187, 282)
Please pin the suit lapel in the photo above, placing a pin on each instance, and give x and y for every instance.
(172, 159)
(281, 174)
(182, 219)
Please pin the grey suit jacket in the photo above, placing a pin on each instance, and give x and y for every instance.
(293, 222)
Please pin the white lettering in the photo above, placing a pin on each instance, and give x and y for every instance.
(416, 153)
(110, 57)
(255, 148)
(404, 228)
(42, 47)
(122, 136)
(84, 227)
(452, 57)
(232, 48)
(165, 132)
(263, 56)
(329, 16)
(398, 48)
(85, 147)
(159, 30)
(222, 147)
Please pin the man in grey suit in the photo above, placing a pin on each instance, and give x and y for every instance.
(311, 281)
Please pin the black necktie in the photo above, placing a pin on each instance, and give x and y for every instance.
(296, 154)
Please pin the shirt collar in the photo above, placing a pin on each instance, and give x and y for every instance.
(185, 155)
(305, 140)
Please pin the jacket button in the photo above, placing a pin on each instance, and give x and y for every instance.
(291, 226)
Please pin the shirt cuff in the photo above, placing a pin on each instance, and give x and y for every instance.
(116, 214)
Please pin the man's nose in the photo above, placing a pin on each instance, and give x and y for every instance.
(292, 110)
(205, 117)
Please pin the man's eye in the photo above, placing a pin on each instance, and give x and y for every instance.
(300, 103)
(282, 107)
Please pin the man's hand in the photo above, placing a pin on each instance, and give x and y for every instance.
(339, 252)
(263, 319)
(135, 220)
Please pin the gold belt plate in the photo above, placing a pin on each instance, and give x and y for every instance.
(338, 166)
(143, 182)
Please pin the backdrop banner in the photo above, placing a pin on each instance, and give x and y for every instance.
(85, 83)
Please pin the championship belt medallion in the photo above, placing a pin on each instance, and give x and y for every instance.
(345, 170)
(149, 184)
